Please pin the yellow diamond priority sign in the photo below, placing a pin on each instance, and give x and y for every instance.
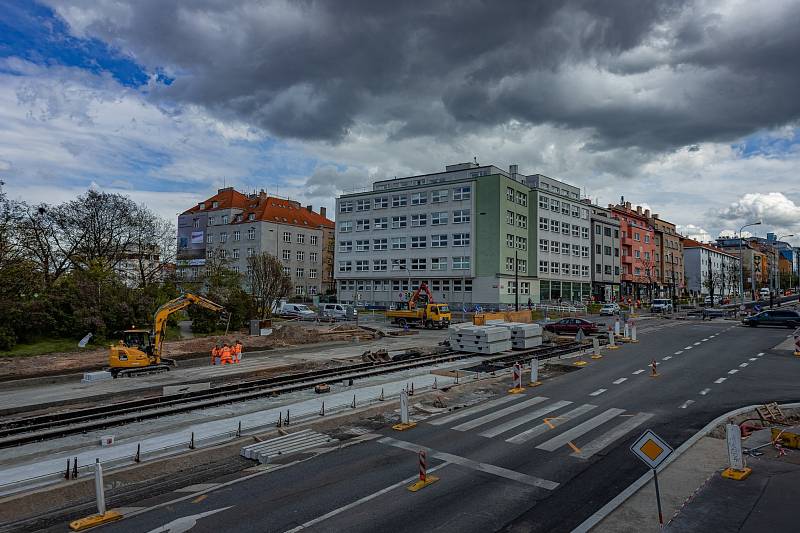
(651, 449)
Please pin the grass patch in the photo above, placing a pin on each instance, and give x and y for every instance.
(45, 346)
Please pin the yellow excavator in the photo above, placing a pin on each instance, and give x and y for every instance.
(139, 351)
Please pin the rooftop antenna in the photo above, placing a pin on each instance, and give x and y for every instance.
(475, 159)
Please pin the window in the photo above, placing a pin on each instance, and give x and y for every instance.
(607, 232)
(565, 248)
(461, 262)
(460, 239)
(438, 263)
(584, 271)
(224, 219)
(597, 268)
(584, 213)
(647, 257)
(616, 271)
(544, 245)
(509, 194)
(251, 234)
(202, 205)
(554, 267)
(362, 225)
(510, 264)
(362, 205)
(607, 270)
(565, 269)
(235, 253)
(344, 266)
(597, 230)
(461, 216)
(312, 257)
(288, 271)
(522, 265)
(380, 265)
(419, 264)
(509, 240)
(439, 196)
(346, 206)
(584, 251)
(576, 211)
(637, 254)
(512, 287)
(301, 273)
(565, 208)
(251, 216)
(543, 267)
(223, 237)
(616, 252)
(544, 202)
(637, 237)
(554, 205)
(576, 230)
(380, 244)
(439, 218)
(381, 223)
(312, 273)
(598, 249)
(382, 202)
(555, 247)
(301, 256)
(616, 234)
(210, 221)
(576, 250)
(398, 264)
(555, 226)
(361, 246)
(584, 233)
(399, 222)
(522, 243)
(419, 220)
(438, 241)
(209, 238)
(576, 270)
(419, 198)
(543, 224)
(251, 252)
(522, 221)
(399, 201)
(419, 242)
(510, 218)
(522, 199)
(344, 246)
(638, 271)
(462, 193)
(398, 243)
(361, 265)
(237, 236)
(607, 250)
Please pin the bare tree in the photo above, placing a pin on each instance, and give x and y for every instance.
(152, 246)
(43, 238)
(649, 274)
(268, 283)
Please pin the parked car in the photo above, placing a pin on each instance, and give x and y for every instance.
(764, 293)
(301, 311)
(661, 305)
(569, 326)
(787, 319)
(609, 309)
(717, 300)
(339, 311)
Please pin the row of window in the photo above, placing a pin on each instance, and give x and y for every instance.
(636, 236)
(300, 255)
(522, 264)
(546, 224)
(565, 269)
(402, 200)
(236, 254)
(524, 287)
(516, 219)
(605, 230)
(299, 273)
(402, 285)
(401, 243)
(601, 269)
(516, 196)
(224, 219)
(460, 216)
(605, 250)
(565, 208)
(520, 243)
(417, 263)
(300, 238)
(555, 247)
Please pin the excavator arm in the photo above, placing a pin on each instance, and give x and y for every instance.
(413, 301)
(173, 306)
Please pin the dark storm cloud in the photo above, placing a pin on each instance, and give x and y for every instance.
(655, 75)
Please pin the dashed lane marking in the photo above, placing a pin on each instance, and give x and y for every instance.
(620, 380)
(733, 371)
(743, 365)
(687, 348)
(759, 354)
(720, 380)
(704, 392)
(704, 340)
(697, 344)
(638, 371)
(686, 404)
(598, 392)
(679, 352)
(667, 358)
(752, 359)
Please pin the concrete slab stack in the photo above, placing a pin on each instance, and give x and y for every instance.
(286, 445)
(524, 336)
(480, 339)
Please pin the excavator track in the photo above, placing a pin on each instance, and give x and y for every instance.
(142, 371)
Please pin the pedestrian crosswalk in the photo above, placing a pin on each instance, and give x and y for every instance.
(546, 424)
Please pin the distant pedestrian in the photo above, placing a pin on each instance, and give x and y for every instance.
(237, 350)
(214, 355)
(226, 355)
(530, 304)
(217, 353)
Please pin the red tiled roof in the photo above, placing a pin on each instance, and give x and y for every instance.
(265, 208)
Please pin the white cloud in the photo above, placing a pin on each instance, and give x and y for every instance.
(771, 208)
(694, 232)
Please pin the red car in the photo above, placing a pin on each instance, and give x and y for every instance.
(571, 326)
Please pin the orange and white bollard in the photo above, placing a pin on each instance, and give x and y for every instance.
(612, 345)
(633, 332)
(516, 375)
(653, 369)
(424, 478)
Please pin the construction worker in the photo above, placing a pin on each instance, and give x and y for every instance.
(237, 350)
(225, 356)
(216, 353)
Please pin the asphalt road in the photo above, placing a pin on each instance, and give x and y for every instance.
(502, 467)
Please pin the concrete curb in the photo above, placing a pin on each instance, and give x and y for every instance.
(611, 506)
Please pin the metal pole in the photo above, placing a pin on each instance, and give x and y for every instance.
(516, 280)
(98, 488)
(658, 499)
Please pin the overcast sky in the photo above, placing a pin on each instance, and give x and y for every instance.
(688, 108)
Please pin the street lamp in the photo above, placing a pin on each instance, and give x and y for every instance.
(741, 261)
(778, 265)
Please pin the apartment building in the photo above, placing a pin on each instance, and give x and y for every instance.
(234, 226)
(606, 272)
(468, 232)
(709, 266)
(637, 243)
(669, 259)
(564, 239)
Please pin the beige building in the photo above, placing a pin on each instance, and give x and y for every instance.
(669, 256)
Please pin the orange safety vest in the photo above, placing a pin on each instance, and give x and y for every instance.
(237, 350)
(226, 355)
(214, 354)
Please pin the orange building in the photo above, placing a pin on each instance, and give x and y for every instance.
(640, 272)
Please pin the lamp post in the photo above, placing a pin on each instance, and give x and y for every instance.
(741, 259)
(778, 265)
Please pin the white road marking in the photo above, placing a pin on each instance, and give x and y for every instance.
(463, 413)
(752, 359)
(469, 463)
(720, 380)
(679, 352)
(620, 380)
(565, 437)
(598, 392)
(485, 419)
(686, 404)
(697, 344)
(743, 365)
(705, 391)
(524, 419)
(638, 371)
(542, 428)
(759, 354)
(732, 371)
(667, 358)
(611, 435)
(687, 347)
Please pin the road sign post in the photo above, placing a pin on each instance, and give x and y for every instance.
(516, 376)
(535, 373)
(737, 469)
(652, 450)
(405, 421)
(596, 348)
(611, 343)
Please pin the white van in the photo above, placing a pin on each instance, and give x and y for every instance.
(301, 311)
(338, 311)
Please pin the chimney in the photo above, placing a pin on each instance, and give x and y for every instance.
(655, 216)
(514, 171)
(647, 213)
(309, 208)
(638, 210)
(628, 206)
(323, 211)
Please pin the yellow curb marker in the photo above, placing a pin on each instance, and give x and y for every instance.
(403, 427)
(94, 520)
(421, 484)
(738, 475)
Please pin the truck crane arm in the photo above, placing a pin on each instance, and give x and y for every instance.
(413, 301)
(173, 306)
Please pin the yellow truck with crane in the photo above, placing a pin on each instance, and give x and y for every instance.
(139, 351)
(422, 311)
